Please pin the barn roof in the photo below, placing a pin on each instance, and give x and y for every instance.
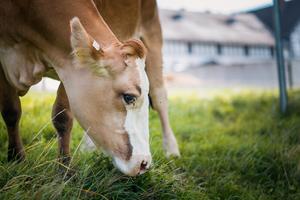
(243, 29)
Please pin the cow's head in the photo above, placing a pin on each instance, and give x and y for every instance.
(108, 93)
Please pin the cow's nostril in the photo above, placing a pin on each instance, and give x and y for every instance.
(144, 165)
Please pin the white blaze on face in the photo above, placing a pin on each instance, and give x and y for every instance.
(137, 127)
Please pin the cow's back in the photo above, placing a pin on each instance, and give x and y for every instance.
(32, 24)
(123, 17)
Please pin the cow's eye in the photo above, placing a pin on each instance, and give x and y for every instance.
(129, 98)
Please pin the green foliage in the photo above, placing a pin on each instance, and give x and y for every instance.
(233, 147)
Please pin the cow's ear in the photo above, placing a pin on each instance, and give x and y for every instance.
(85, 49)
(83, 45)
(79, 37)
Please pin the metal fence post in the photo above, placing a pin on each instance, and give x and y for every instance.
(280, 57)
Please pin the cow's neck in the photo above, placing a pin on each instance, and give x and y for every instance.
(99, 30)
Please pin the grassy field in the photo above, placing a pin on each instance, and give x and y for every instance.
(233, 147)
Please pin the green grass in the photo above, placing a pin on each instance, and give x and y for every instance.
(233, 147)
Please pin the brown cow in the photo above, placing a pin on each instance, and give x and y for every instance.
(104, 83)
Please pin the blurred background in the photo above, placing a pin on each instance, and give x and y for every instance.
(211, 44)
(221, 73)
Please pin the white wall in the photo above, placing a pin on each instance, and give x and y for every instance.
(177, 55)
(233, 51)
(295, 41)
(204, 49)
(260, 52)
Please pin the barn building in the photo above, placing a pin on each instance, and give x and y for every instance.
(195, 38)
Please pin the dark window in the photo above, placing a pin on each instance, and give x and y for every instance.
(246, 49)
(190, 49)
(177, 16)
(272, 51)
(219, 49)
